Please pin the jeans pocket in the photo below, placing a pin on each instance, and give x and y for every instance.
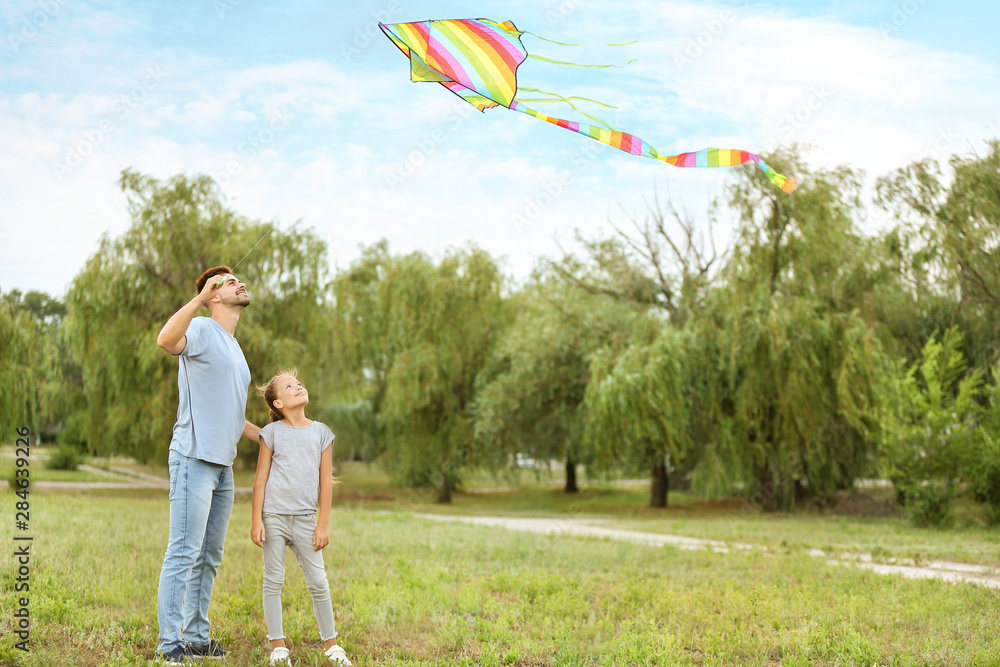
(174, 467)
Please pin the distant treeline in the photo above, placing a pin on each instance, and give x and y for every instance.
(805, 356)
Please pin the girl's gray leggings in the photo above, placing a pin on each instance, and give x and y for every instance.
(281, 530)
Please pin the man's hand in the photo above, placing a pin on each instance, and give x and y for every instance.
(321, 537)
(211, 287)
(257, 533)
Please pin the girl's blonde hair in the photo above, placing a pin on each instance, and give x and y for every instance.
(270, 392)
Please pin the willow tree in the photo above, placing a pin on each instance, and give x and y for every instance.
(368, 337)
(61, 407)
(664, 270)
(799, 366)
(420, 332)
(638, 407)
(533, 386)
(27, 356)
(133, 283)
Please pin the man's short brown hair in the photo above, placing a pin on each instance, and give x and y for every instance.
(214, 271)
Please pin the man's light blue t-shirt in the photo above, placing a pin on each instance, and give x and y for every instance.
(212, 382)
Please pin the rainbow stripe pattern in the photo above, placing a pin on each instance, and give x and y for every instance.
(477, 59)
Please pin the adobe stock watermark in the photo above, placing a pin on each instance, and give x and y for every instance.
(122, 108)
(798, 118)
(712, 29)
(363, 34)
(900, 16)
(425, 147)
(556, 17)
(794, 120)
(33, 24)
(254, 144)
(224, 8)
(556, 187)
(942, 144)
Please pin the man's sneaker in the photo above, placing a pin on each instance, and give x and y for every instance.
(180, 655)
(279, 657)
(337, 656)
(209, 651)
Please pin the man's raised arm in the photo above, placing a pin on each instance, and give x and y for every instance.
(171, 336)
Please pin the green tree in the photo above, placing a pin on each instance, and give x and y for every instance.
(45, 308)
(132, 284)
(984, 461)
(414, 336)
(639, 408)
(950, 229)
(452, 312)
(664, 269)
(931, 430)
(665, 263)
(786, 334)
(58, 392)
(368, 337)
(24, 368)
(952, 232)
(533, 386)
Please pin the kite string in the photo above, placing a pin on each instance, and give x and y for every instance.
(251, 249)
(255, 245)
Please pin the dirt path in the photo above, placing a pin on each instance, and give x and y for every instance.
(954, 572)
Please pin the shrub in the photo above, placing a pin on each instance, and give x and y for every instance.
(929, 505)
(65, 458)
(932, 440)
(73, 431)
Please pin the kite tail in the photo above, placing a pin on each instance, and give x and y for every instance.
(623, 141)
(727, 157)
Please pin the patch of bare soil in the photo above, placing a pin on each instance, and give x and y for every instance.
(358, 496)
(873, 502)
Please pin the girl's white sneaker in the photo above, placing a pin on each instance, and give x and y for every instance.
(337, 656)
(279, 657)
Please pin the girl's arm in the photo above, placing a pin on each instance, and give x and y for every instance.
(259, 482)
(321, 536)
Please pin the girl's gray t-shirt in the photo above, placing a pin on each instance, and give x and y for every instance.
(293, 483)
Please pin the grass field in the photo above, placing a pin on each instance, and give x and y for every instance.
(7, 472)
(408, 591)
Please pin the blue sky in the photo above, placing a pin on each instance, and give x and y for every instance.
(306, 112)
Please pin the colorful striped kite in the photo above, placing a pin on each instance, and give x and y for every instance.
(477, 59)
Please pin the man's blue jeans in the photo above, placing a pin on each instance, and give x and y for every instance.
(201, 502)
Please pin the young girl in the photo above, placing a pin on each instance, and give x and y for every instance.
(295, 467)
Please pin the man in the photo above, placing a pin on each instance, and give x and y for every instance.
(212, 381)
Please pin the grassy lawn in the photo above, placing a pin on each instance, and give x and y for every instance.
(408, 591)
(885, 539)
(40, 473)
